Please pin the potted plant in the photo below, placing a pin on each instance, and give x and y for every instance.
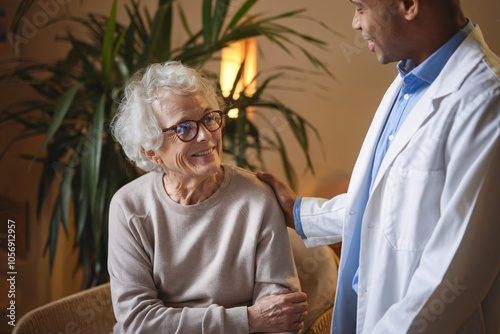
(78, 95)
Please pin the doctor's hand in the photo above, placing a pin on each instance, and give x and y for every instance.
(278, 313)
(286, 196)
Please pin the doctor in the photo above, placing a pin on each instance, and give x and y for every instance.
(420, 223)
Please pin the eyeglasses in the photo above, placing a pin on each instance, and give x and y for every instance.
(188, 130)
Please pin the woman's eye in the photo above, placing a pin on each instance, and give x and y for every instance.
(183, 127)
(209, 119)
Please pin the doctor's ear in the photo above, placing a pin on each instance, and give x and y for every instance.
(152, 156)
(411, 9)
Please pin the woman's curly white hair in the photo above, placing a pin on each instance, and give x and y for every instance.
(135, 125)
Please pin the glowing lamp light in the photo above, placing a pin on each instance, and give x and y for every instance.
(232, 57)
(233, 113)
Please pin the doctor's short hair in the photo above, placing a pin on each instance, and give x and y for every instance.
(135, 125)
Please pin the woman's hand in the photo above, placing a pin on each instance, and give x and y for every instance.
(278, 313)
(286, 197)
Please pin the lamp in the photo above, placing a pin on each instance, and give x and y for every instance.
(232, 57)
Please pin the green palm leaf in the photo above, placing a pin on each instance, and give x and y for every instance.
(61, 110)
(95, 143)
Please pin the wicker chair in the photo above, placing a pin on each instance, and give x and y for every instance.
(90, 311)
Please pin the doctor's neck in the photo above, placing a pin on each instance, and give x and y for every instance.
(431, 25)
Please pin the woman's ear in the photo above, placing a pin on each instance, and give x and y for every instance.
(153, 157)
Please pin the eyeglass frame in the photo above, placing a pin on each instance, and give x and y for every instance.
(173, 127)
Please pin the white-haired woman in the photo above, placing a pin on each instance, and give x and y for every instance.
(195, 246)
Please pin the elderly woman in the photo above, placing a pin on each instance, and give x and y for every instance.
(195, 246)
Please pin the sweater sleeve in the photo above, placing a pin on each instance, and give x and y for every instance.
(275, 270)
(136, 302)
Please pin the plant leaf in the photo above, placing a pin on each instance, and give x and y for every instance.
(57, 119)
(80, 204)
(207, 23)
(163, 44)
(241, 12)
(129, 49)
(185, 23)
(289, 171)
(51, 244)
(107, 44)
(95, 142)
(65, 190)
(219, 17)
(88, 68)
(122, 68)
(22, 11)
(118, 44)
(153, 36)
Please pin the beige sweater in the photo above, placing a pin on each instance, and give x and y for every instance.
(195, 268)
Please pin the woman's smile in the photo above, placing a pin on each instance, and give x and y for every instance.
(204, 153)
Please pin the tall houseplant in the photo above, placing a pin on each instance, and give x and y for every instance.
(79, 95)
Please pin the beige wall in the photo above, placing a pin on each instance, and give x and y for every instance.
(341, 110)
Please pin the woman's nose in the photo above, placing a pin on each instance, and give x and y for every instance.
(203, 133)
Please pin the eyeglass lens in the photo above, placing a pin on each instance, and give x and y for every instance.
(188, 130)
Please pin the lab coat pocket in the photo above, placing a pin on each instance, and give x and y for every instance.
(413, 207)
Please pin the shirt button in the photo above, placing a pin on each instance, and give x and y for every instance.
(407, 96)
(391, 137)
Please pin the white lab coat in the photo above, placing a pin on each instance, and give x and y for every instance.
(430, 234)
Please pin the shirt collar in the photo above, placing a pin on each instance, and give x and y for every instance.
(432, 66)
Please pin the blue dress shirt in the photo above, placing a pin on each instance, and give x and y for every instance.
(416, 80)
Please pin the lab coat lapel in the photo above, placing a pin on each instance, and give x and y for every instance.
(365, 158)
(356, 200)
(421, 111)
(452, 75)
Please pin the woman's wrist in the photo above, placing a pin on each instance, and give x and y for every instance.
(252, 320)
